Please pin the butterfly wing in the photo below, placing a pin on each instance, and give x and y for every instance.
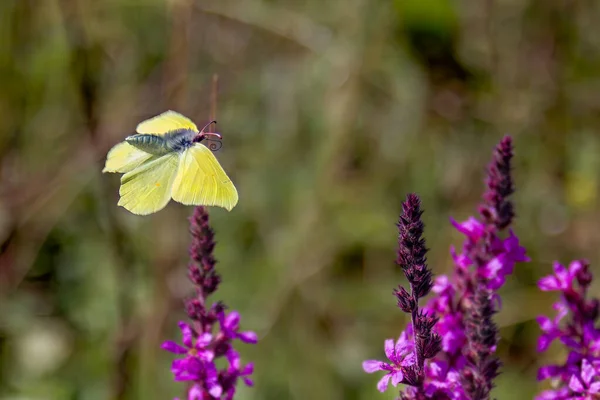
(147, 188)
(124, 157)
(201, 180)
(166, 122)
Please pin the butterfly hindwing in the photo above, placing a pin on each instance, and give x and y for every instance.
(201, 180)
(124, 157)
(147, 188)
(166, 122)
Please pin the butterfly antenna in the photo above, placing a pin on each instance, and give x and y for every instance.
(206, 126)
(210, 133)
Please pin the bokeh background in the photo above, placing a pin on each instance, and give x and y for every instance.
(331, 112)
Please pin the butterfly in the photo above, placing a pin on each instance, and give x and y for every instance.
(165, 160)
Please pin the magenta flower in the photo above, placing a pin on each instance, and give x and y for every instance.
(587, 381)
(562, 279)
(401, 356)
(200, 348)
(230, 325)
(466, 301)
(443, 380)
(235, 372)
(503, 264)
(575, 327)
(471, 228)
(550, 327)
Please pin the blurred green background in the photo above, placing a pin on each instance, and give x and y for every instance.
(331, 112)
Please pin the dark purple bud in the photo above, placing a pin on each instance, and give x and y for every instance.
(405, 301)
(410, 376)
(584, 276)
(423, 324)
(497, 209)
(194, 309)
(411, 247)
(432, 346)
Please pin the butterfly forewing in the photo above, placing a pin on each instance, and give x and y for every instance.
(166, 122)
(200, 180)
(124, 157)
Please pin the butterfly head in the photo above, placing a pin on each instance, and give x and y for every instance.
(210, 136)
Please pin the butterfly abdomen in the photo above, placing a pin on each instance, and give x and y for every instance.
(152, 144)
(174, 141)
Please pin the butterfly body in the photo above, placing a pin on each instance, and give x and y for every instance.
(166, 160)
(174, 141)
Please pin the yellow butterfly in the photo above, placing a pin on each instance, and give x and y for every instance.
(166, 160)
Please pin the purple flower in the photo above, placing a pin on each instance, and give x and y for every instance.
(471, 228)
(550, 327)
(230, 325)
(575, 327)
(235, 372)
(200, 348)
(458, 319)
(196, 354)
(466, 301)
(503, 264)
(443, 382)
(407, 357)
(587, 381)
(401, 355)
(562, 279)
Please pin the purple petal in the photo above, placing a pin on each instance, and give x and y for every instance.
(437, 369)
(562, 274)
(594, 388)
(575, 267)
(587, 372)
(471, 228)
(388, 347)
(493, 267)
(187, 369)
(516, 252)
(230, 393)
(206, 355)
(560, 394)
(382, 385)
(569, 342)
(215, 391)
(173, 347)
(403, 346)
(248, 337)
(409, 360)
(232, 321)
(548, 283)
(186, 332)
(234, 359)
(397, 378)
(544, 342)
(440, 284)
(248, 369)
(575, 384)
(562, 309)
(203, 341)
(548, 371)
(248, 381)
(370, 366)
(461, 260)
(496, 282)
(195, 393)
